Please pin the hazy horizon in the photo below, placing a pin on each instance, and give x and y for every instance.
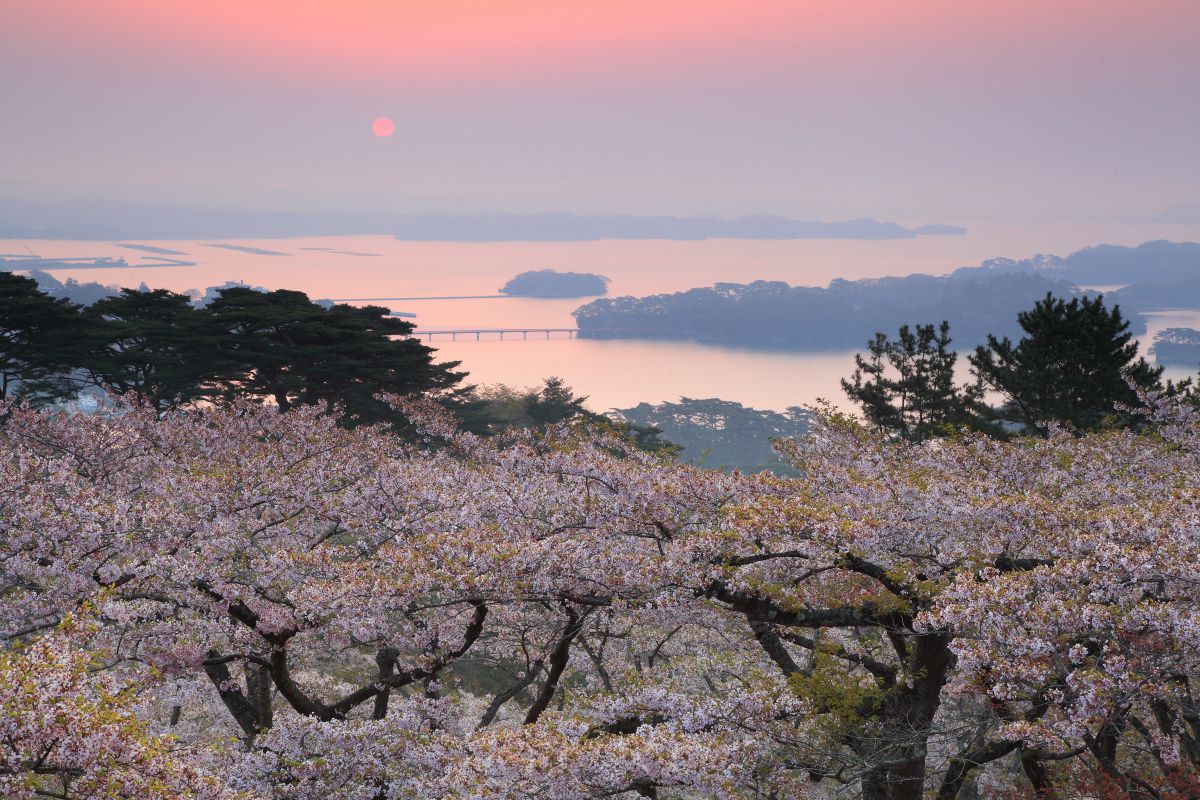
(935, 111)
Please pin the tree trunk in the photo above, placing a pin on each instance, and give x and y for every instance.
(385, 660)
(1038, 775)
(963, 765)
(258, 693)
(909, 710)
(243, 712)
(874, 785)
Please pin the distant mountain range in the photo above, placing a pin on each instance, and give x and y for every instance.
(110, 220)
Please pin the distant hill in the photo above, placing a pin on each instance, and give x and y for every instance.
(83, 293)
(940, 230)
(1139, 297)
(1106, 264)
(579, 228)
(1152, 276)
(111, 220)
(722, 434)
(550, 283)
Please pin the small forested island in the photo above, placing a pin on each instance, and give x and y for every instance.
(551, 283)
(1177, 346)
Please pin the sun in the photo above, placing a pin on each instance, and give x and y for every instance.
(382, 127)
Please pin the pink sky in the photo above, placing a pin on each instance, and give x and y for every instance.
(447, 41)
(642, 105)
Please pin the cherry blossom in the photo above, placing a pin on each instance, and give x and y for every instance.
(307, 611)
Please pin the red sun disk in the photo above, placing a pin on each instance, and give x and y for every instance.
(382, 127)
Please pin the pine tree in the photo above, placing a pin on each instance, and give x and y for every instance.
(284, 348)
(39, 341)
(1073, 365)
(151, 344)
(907, 386)
(554, 402)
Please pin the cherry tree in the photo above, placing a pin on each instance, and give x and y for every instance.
(309, 611)
(68, 732)
(325, 582)
(949, 604)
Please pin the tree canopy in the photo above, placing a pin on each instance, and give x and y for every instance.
(557, 615)
(277, 347)
(38, 340)
(151, 344)
(1074, 364)
(908, 386)
(285, 348)
(492, 410)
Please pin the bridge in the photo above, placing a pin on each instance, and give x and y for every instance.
(478, 333)
(407, 299)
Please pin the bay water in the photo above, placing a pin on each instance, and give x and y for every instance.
(613, 373)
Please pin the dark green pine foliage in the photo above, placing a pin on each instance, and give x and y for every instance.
(1071, 366)
(907, 386)
(284, 348)
(151, 344)
(39, 342)
(490, 410)
(555, 402)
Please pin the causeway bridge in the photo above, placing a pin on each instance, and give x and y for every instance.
(479, 333)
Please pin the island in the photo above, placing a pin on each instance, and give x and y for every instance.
(843, 315)
(1177, 347)
(940, 230)
(98, 219)
(551, 283)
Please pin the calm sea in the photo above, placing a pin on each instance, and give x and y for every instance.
(612, 373)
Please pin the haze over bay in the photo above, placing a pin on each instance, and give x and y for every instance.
(612, 373)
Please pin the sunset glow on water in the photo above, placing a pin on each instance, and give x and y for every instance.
(612, 373)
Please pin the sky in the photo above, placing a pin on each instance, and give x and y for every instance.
(924, 110)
